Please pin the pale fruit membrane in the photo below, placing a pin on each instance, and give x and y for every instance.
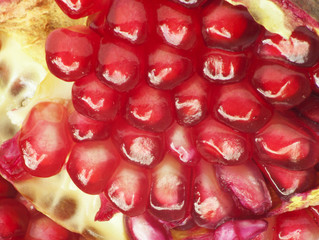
(25, 81)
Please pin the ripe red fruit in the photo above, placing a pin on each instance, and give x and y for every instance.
(44, 139)
(91, 165)
(70, 52)
(14, 219)
(94, 99)
(190, 3)
(140, 147)
(6, 189)
(310, 108)
(149, 109)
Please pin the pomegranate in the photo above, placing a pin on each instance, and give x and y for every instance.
(186, 119)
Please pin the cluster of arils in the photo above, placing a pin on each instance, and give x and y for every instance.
(189, 111)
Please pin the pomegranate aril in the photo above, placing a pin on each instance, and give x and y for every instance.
(146, 227)
(71, 52)
(191, 100)
(240, 229)
(170, 190)
(296, 225)
(97, 22)
(218, 143)
(286, 142)
(150, 109)
(175, 27)
(212, 205)
(180, 143)
(81, 8)
(119, 65)
(14, 219)
(94, 99)
(282, 87)
(300, 49)
(247, 184)
(128, 189)
(310, 108)
(83, 128)
(44, 139)
(238, 106)
(6, 189)
(287, 182)
(91, 165)
(140, 147)
(106, 211)
(190, 3)
(128, 19)
(221, 66)
(43, 228)
(228, 27)
(168, 67)
(314, 79)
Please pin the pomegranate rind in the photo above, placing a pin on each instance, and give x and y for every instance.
(283, 16)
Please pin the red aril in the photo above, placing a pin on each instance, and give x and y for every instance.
(91, 165)
(128, 19)
(120, 66)
(175, 26)
(212, 205)
(170, 190)
(239, 107)
(167, 68)
(190, 3)
(221, 66)
(228, 27)
(94, 99)
(310, 108)
(300, 49)
(44, 139)
(140, 147)
(6, 189)
(71, 52)
(287, 143)
(146, 227)
(128, 189)
(83, 128)
(240, 229)
(247, 184)
(314, 79)
(14, 219)
(181, 144)
(282, 87)
(220, 144)
(287, 182)
(149, 109)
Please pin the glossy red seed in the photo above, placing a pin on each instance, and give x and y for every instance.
(181, 144)
(83, 128)
(248, 185)
(240, 229)
(144, 227)
(221, 66)
(14, 219)
(128, 20)
(212, 205)
(220, 144)
(175, 27)
(167, 68)
(314, 79)
(91, 165)
(81, 8)
(190, 3)
(300, 49)
(70, 52)
(170, 190)
(44, 140)
(95, 100)
(140, 147)
(228, 27)
(296, 225)
(43, 228)
(128, 189)
(287, 143)
(97, 22)
(6, 189)
(106, 211)
(282, 87)
(239, 107)
(149, 109)
(287, 182)
(310, 108)
(191, 100)
(119, 65)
